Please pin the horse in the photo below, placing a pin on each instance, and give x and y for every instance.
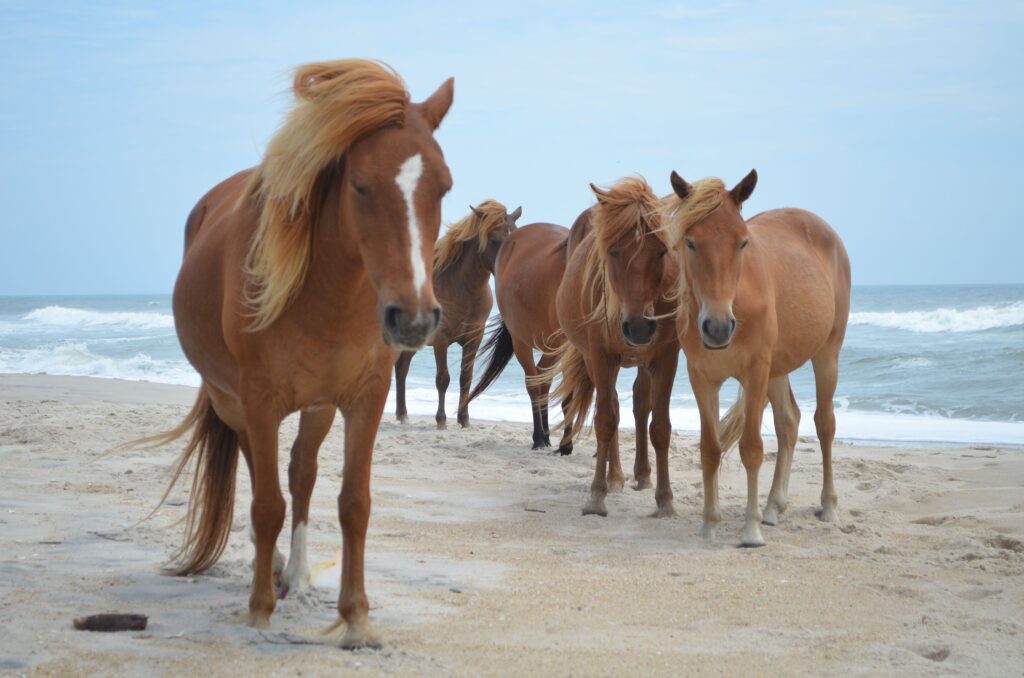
(616, 307)
(527, 273)
(462, 274)
(301, 279)
(757, 299)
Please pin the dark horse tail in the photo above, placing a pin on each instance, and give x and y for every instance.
(498, 351)
(211, 500)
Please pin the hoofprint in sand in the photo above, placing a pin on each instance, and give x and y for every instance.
(480, 562)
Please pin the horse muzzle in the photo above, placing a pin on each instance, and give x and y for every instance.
(716, 333)
(639, 331)
(406, 330)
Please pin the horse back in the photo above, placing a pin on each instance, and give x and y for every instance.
(526, 278)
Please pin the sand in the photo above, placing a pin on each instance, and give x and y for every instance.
(480, 562)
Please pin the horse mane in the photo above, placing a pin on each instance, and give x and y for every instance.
(629, 205)
(449, 247)
(679, 216)
(337, 103)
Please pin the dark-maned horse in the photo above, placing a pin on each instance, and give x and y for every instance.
(463, 264)
(616, 306)
(757, 300)
(526, 277)
(301, 279)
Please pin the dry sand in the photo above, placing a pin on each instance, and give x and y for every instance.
(479, 561)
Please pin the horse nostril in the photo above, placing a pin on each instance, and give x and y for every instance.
(732, 326)
(437, 316)
(392, 316)
(706, 326)
(625, 329)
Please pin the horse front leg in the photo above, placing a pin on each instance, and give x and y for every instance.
(706, 394)
(663, 374)
(606, 426)
(314, 425)
(752, 451)
(362, 417)
(441, 381)
(268, 505)
(401, 372)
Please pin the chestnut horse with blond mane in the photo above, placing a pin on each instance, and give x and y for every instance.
(526, 277)
(301, 279)
(616, 308)
(463, 265)
(757, 299)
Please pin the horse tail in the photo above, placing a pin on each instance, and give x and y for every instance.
(211, 500)
(497, 350)
(575, 391)
(731, 426)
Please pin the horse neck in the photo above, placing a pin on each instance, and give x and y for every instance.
(468, 271)
(337, 273)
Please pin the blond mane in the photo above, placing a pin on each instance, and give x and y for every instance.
(628, 206)
(678, 216)
(470, 227)
(338, 102)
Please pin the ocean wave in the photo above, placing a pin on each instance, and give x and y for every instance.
(65, 317)
(945, 319)
(74, 359)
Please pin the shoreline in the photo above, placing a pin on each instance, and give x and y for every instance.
(480, 562)
(29, 383)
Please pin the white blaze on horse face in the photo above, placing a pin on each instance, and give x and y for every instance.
(408, 179)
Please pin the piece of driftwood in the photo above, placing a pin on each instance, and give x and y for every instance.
(112, 622)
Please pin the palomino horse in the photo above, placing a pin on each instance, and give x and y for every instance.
(300, 280)
(615, 307)
(526, 277)
(463, 265)
(757, 299)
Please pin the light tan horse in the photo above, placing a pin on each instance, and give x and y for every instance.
(463, 264)
(757, 300)
(526, 277)
(615, 304)
(300, 280)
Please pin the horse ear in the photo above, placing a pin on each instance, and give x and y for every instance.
(743, 189)
(679, 185)
(478, 213)
(436, 106)
(601, 194)
(516, 213)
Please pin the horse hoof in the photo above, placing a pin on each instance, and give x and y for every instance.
(358, 636)
(771, 517)
(827, 515)
(402, 418)
(565, 450)
(441, 426)
(667, 511)
(616, 484)
(751, 537)
(259, 620)
(707, 531)
(595, 507)
(642, 484)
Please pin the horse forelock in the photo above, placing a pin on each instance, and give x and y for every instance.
(470, 227)
(338, 102)
(678, 216)
(629, 206)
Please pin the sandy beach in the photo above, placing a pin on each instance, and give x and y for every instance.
(479, 561)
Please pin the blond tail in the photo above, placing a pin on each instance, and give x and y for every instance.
(575, 391)
(212, 497)
(731, 426)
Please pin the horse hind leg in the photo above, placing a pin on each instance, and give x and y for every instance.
(441, 381)
(524, 354)
(787, 424)
(278, 562)
(401, 373)
(641, 413)
(469, 351)
(826, 376)
(314, 425)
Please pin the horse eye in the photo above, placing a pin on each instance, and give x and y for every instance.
(361, 190)
(662, 253)
(743, 245)
(690, 245)
(614, 253)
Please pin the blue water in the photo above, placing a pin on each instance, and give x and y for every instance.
(920, 363)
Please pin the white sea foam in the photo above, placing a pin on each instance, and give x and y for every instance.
(64, 317)
(76, 360)
(945, 319)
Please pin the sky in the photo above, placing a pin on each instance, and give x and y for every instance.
(902, 124)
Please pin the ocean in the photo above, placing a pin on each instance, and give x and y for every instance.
(920, 363)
